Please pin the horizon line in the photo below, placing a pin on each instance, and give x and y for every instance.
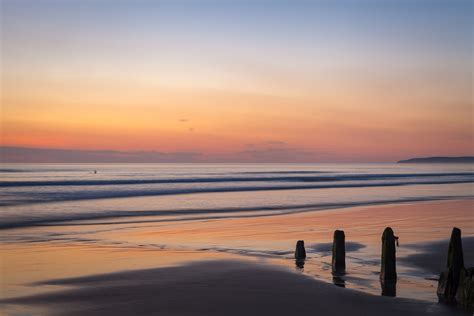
(46, 155)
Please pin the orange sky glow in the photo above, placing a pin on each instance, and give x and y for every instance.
(312, 99)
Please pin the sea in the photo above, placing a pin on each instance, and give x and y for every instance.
(59, 194)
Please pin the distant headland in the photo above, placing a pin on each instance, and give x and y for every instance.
(465, 159)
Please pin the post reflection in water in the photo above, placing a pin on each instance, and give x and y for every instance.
(389, 287)
(339, 281)
(299, 264)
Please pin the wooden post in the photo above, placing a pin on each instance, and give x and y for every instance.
(339, 253)
(389, 287)
(449, 280)
(465, 294)
(389, 268)
(300, 252)
(455, 259)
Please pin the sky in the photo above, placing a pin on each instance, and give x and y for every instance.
(236, 81)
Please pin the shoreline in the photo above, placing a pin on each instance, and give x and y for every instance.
(277, 211)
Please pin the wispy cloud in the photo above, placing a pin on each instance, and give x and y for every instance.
(271, 143)
(277, 151)
(271, 151)
(49, 155)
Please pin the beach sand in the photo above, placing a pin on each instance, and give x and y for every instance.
(218, 288)
(234, 266)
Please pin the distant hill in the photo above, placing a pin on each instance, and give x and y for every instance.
(466, 159)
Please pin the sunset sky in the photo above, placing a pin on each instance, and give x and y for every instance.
(239, 81)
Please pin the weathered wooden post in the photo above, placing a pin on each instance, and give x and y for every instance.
(465, 293)
(449, 280)
(455, 258)
(300, 252)
(339, 253)
(389, 268)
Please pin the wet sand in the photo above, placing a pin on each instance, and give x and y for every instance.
(431, 257)
(233, 266)
(218, 288)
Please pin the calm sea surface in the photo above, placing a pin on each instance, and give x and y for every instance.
(49, 194)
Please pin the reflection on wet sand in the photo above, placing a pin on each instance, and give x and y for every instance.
(339, 281)
(300, 264)
(389, 287)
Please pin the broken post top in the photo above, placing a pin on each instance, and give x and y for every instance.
(300, 252)
(339, 234)
(455, 252)
(388, 234)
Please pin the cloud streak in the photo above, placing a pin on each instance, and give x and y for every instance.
(49, 155)
(277, 151)
(273, 152)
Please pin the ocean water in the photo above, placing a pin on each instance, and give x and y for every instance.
(66, 194)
